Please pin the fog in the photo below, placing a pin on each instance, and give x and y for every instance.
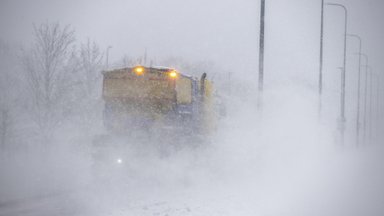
(282, 158)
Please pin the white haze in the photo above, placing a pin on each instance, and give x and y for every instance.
(282, 160)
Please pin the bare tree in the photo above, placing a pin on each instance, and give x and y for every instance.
(5, 107)
(91, 60)
(6, 94)
(46, 67)
(5, 124)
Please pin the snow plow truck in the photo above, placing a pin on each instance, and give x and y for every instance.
(157, 99)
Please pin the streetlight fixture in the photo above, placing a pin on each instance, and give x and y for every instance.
(342, 96)
(358, 91)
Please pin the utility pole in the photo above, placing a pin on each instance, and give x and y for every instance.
(321, 57)
(261, 54)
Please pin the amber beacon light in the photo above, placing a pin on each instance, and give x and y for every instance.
(172, 74)
(139, 70)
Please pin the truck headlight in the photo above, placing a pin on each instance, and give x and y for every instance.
(119, 161)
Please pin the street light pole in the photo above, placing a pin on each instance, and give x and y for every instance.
(358, 91)
(261, 54)
(321, 56)
(365, 97)
(342, 96)
(377, 107)
(380, 107)
(370, 103)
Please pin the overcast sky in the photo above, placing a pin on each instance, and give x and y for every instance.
(222, 31)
